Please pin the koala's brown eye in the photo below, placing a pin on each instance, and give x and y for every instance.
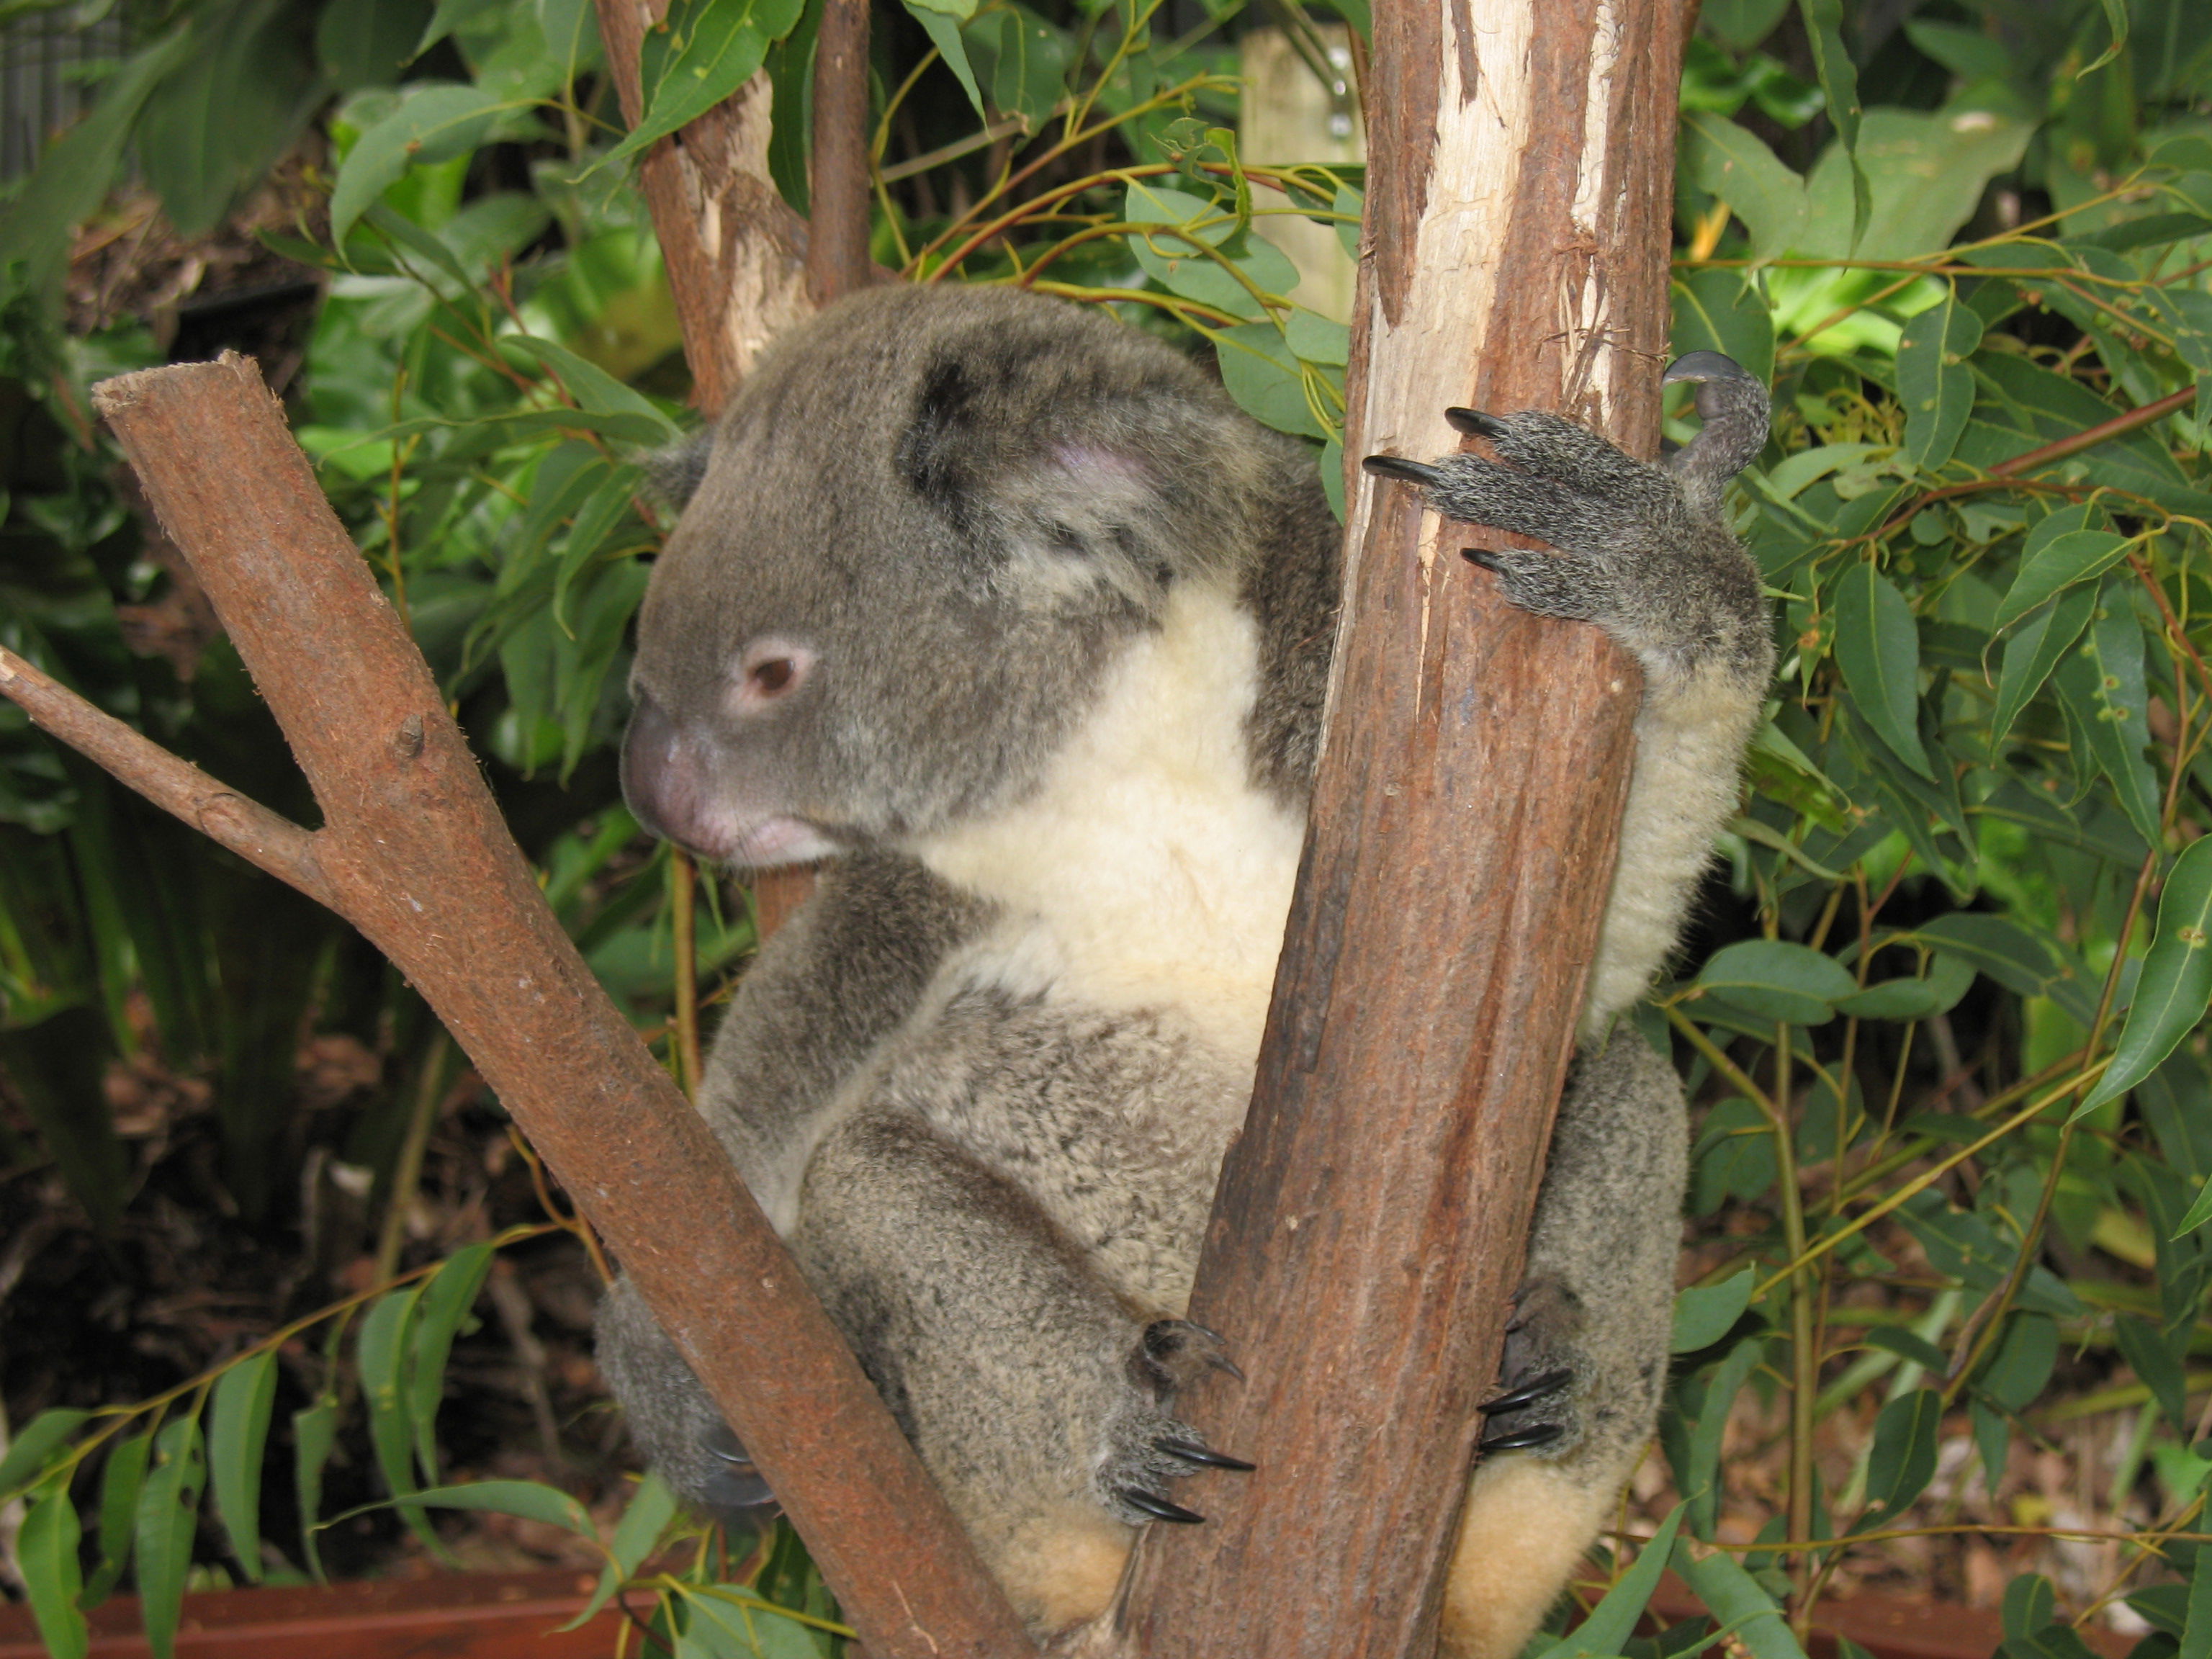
(774, 675)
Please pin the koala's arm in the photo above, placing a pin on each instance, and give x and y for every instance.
(1646, 553)
(840, 977)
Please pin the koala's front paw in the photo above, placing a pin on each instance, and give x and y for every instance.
(1645, 552)
(1146, 1445)
(1540, 1373)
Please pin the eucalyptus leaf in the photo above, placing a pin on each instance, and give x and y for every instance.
(1878, 648)
(2176, 985)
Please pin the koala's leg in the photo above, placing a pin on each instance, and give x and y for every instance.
(1039, 1399)
(672, 1419)
(1588, 1343)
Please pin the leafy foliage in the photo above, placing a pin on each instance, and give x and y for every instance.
(1945, 1020)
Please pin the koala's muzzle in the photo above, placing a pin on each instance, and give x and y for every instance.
(663, 780)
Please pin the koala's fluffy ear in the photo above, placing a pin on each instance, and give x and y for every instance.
(674, 474)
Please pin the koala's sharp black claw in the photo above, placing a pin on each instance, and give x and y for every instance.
(721, 1442)
(1158, 1508)
(1529, 1392)
(1396, 466)
(1192, 1451)
(1488, 560)
(1475, 422)
(1523, 1440)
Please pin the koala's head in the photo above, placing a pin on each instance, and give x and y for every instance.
(919, 535)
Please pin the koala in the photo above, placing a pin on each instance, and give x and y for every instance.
(1007, 612)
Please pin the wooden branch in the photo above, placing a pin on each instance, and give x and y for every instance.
(413, 853)
(1369, 1227)
(265, 838)
(736, 252)
(837, 260)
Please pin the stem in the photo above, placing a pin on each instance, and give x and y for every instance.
(683, 882)
(407, 1170)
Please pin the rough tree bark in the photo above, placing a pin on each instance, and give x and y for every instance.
(413, 853)
(1369, 1227)
(736, 253)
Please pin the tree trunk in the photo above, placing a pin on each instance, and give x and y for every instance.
(1368, 1230)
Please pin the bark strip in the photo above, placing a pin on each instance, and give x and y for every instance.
(413, 854)
(735, 251)
(837, 248)
(1368, 1231)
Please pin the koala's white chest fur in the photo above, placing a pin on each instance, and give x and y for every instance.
(1147, 872)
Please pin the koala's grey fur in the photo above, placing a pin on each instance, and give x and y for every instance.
(1009, 608)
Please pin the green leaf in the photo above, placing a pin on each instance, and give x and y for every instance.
(41, 1437)
(2176, 984)
(1192, 248)
(2197, 1622)
(2030, 1604)
(1315, 339)
(596, 391)
(168, 1511)
(314, 1433)
(445, 1302)
(73, 175)
(432, 125)
(1839, 85)
(211, 130)
(651, 1508)
(1747, 1614)
(1722, 310)
(1737, 166)
(2158, 1367)
(1702, 1315)
(1878, 649)
(1775, 979)
(1933, 381)
(943, 29)
(380, 1352)
(2037, 646)
(1699, 1479)
(527, 1498)
(366, 42)
(1903, 1459)
(45, 1553)
(1262, 375)
(1614, 1620)
(2020, 1367)
(2102, 685)
(238, 1433)
(697, 55)
(2056, 564)
(120, 1483)
(2018, 960)
(1911, 999)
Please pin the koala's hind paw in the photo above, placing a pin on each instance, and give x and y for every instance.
(1145, 1447)
(1537, 1407)
(737, 1486)
(1173, 1353)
